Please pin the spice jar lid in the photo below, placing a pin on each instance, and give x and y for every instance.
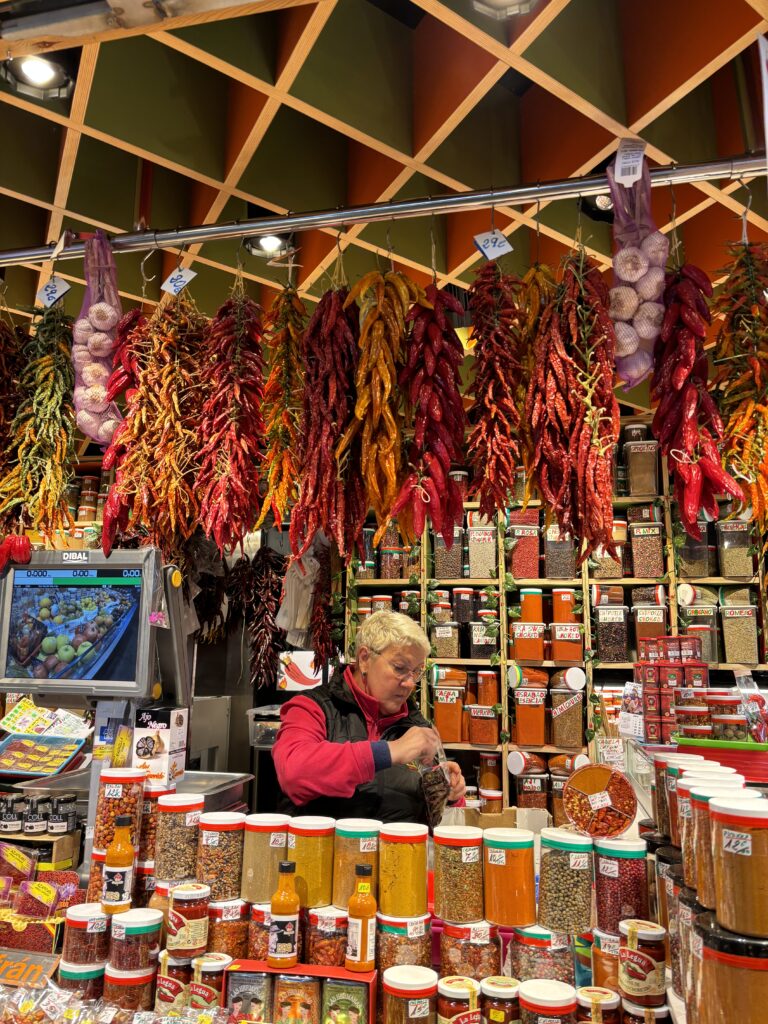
(79, 916)
(560, 839)
(647, 931)
(402, 832)
(358, 828)
(490, 755)
(211, 963)
(703, 794)
(123, 775)
(191, 891)
(180, 802)
(733, 807)
(694, 711)
(311, 825)
(624, 849)
(410, 981)
(645, 1013)
(142, 977)
(458, 835)
(547, 995)
(508, 838)
(261, 912)
(228, 910)
(99, 856)
(531, 590)
(328, 915)
(729, 718)
(459, 987)
(145, 867)
(136, 922)
(266, 822)
(535, 935)
(697, 730)
(575, 678)
(500, 987)
(718, 940)
(81, 971)
(476, 932)
(709, 778)
(604, 997)
(413, 927)
(222, 821)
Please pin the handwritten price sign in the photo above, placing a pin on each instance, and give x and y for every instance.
(178, 280)
(52, 291)
(492, 244)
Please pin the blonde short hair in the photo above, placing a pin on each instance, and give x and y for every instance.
(388, 629)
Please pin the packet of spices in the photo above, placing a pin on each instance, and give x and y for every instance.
(343, 999)
(436, 785)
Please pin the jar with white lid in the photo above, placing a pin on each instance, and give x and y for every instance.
(403, 869)
(135, 940)
(220, 853)
(597, 1005)
(356, 841)
(326, 936)
(86, 935)
(701, 796)
(85, 981)
(500, 1000)
(129, 990)
(542, 1000)
(565, 885)
(713, 774)
(410, 995)
(266, 836)
(642, 962)
(621, 881)
(207, 985)
(178, 817)
(457, 997)
(228, 928)
(472, 950)
(739, 843)
(310, 847)
(458, 870)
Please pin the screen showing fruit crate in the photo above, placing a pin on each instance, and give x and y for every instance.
(67, 624)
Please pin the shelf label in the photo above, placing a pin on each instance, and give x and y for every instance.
(52, 291)
(176, 282)
(492, 244)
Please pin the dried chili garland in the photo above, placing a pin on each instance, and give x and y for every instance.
(43, 428)
(232, 427)
(130, 350)
(254, 587)
(284, 403)
(537, 291)
(12, 343)
(321, 621)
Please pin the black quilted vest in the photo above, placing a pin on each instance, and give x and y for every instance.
(394, 794)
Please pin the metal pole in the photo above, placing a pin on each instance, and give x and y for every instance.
(567, 188)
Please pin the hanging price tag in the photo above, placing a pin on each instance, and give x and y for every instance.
(629, 161)
(492, 244)
(178, 280)
(52, 291)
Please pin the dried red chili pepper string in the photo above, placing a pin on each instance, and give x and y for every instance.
(254, 587)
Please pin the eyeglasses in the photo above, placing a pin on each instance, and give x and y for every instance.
(402, 672)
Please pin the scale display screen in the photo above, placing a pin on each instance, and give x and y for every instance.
(74, 624)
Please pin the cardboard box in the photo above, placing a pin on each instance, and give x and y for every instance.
(21, 969)
(163, 769)
(245, 978)
(159, 731)
(59, 851)
(35, 936)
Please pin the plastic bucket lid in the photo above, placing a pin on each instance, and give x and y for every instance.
(404, 833)
(724, 808)
(311, 825)
(357, 828)
(410, 981)
(145, 976)
(704, 794)
(266, 822)
(625, 849)
(79, 915)
(136, 922)
(547, 995)
(179, 802)
(458, 835)
(560, 838)
(222, 821)
(645, 1013)
(123, 775)
(508, 838)
(84, 971)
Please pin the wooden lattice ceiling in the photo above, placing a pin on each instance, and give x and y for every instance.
(304, 104)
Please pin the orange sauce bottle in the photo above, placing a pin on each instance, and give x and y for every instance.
(117, 888)
(361, 933)
(284, 926)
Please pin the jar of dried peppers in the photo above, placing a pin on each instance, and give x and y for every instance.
(228, 922)
(458, 874)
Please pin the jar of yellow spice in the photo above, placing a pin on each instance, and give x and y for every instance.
(403, 870)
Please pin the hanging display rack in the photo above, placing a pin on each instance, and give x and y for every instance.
(342, 217)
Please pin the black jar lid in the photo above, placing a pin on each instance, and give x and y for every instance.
(653, 840)
(669, 855)
(722, 941)
(689, 898)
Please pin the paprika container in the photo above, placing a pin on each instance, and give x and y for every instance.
(135, 940)
(563, 604)
(509, 884)
(310, 847)
(403, 870)
(676, 765)
(713, 775)
(597, 1006)
(739, 830)
(642, 962)
(567, 642)
(621, 882)
(487, 688)
(448, 710)
(530, 719)
(409, 995)
(531, 604)
(356, 841)
(528, 639)
(565, 881)
(220, 853)
(734, 546)
(264, 846)
(702, 834)
(483, 725)
(490, 770)
(559, 554)
(552, 1001)
(129, 990)
(733, 975)
(538, 953)
(228, 923)
(458, 869)
(86, 981)
(522, 557)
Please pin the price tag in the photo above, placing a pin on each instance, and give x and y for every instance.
(277, 840)
(598, 800)
(579, 861)
(369, 844)
(737, 842)
(498, 857)
(418, 1008)
(192, 818)
(629, 161)
(479, 933)
(415, 929)
(608, 867)
(52, 291)
(178, 280)
(210, 838)
(113, 790)
(470, 855)
(291, 841)
(89, 832)
(492, 244)
(96, 926)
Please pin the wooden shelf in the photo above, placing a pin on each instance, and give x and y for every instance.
(462, 661)
(725, 581)
(548, 749)
(465, 582)
(572, 584)
(612, 664)
(547, 664)
(628, 500)
(471, 746)
(631, 581)
(385, 583)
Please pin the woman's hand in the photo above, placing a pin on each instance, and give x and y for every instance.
(457, 783)
(417, 744)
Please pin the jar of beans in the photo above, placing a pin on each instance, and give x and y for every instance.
(621, 882)
(552, 1001)
(536, 952)
(96, 876)
(448, 564)
(86, 934)
(565, 881)
(148, 833)
(445, 639)
(178, 817)
(86, 981)
(611, 633)
(228, 928)
(463, 604)
(129, 990)
(458, 860)
(220, 853)
(135, 940)
(326, 943)
(559, 554)
(471, 950)
(121, 791)
(258, 931)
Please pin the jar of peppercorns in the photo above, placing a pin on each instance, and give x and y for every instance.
(86, 935)
(228, 928)
(121, 792)
(178, 818)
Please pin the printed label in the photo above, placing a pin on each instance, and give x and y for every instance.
(277, 840)
(738, 613)
(566, 705)
(684, 811)
(283, 936)
(326, 923)
(96, 926)
(415, 929)
(360, 949)
(646, 531)
(639, 974)
(184, 934)
(598, 800)
(608, 867)
(117, 886)
(470, 855)
(418, 1008)
(171, 995)
(498, 857)
(210, 838)
(203, 996)
(369, 844)
(610, 615)
(650, 614)
(464, 1017)
(113, 790)
(443, 632)
(737, 842)
(192, 818)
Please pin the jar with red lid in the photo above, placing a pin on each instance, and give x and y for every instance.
(472, 950)
(207, 986)
(135, 940)
(174, 976)
(563, 605)
(188, 919)
(550, 1001)
(220, 853)
(499, 1000)
(456, 995)
(690, 715)
(121, 791)
(129, 990)
(634, 1014)
(409, 994)
(258, 931)
(86, 935)
(228, 928)
(326, 936)
(642, 962)
(596, 1005)
(86, 981)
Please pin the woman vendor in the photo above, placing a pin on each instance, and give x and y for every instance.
(349, 748)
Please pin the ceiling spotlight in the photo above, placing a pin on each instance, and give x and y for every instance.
(272, 248)
(271, 243)
(38, 77)
(501, 9)
(604, 202)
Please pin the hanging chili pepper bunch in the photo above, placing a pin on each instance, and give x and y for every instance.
(741, 378)
(430, 382)
(330, 356)
(156, 451)
(572, 408)
(687, 423)
(232, 428)
(130, 350)
(12, 343)
(494, 443)
(253, 588)
(321, 623)
(537, 291)
(283, 403)
(384, 301)
(43, 428)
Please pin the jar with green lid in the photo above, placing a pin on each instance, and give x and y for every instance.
(402, 940)
(356, 841)
(565, 881)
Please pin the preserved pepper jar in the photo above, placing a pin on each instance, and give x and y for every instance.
(228, 928)
(621, 882)
(310, 847)
(135, 940)
(596, 1005)
(148, 834)
(565, 881)
(642, 962)
(188, 919)
(537, 953)
(499, 1000)
(121, 791)
(740, 851)
(207, 985)
(264, 845)
(86, 935)
(403, 870)
(458, 859)
(258, 931)
(508, 877)
(473, 950)
(161, 900)
(326, 942)
(174, 977)
(86, 981)
(550, 1001)
(530, 717)
(356, 841)
(220, 853)
(456, 997)
(634, 1014)
(410, 995)
(605, 959)
(178, 817)
(129, 990)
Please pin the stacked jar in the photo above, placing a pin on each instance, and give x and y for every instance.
(178, 818)
(508, 877)
(135, 940)
(701, 795)
(739, 831)
(84, 981)
(621, 882)
(121, 792)
(403, 870)
(356, 841)
(86, 935)
(539, 953)
(228, 922)
(642, 960)
(399, 940)
(565, 882)
(220, 853)
(712, 774)
(409, 994)
(553, 1001)
(310, 847)
(458, 874)
(149, 814)
(264, 844)
(472, 950)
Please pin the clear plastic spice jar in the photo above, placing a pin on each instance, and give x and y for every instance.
(734, 548)
(448, 565)
(188, 919)
(701, 795)
(740, 635)
(730, 728)
(135, 940)
(642, 959)
(532, 791)
(86, 981)
(565, 881)
(528, 639)
(567, 713)
(148, 835)
(178, 817)
(96, 876)
(402, 941)
(499, 1000)
(121, 791)
(740, 853)
(326, 937)
(458, 870)
(489, 775)
(228, 928)
(557, 784)
(559, 554)
(595, 1005)
(220, 853)
(129, 990)
(409, 995)
(550, 1001)
(266, 836)
(522, 557)
(611, 633)
(605, 959)
(448, 712)
(463, 604)
(688, 910)
(356, 841)
(647, 550)
(258, 931)
(733, 976)
(403, 870)
(86, 934)
(471, 950)
(445, 639)
(483, 560)
(538, 953)
(621, 882)
(508, 877)
(310, 846)
(564, 605)
(483, 725)
(145, 883)
(174, 976)
(483, 638)
(712, 775)
(530, 716)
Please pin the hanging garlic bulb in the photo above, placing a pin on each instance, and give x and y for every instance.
(647, 321)
(624, 303)
(656, 248)
(651, 285)
(627, 339)
(630, 264)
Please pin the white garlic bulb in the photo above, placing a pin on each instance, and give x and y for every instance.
(630, 264)
(624, 303)
(656, 247)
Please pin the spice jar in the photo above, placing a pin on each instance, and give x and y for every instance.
(640, 458)
(445, 639)
(532, 604)
(174, 976)
(538, 953)
(473, 950)
(483, 638)
(567, 644)
(740, 635)
(402, 941)
(740, 852)
(559, 554)
(121, 791)
(547, 1001)
(381, 603)
(310, 846)
(145, 883)
(611, 633)
(532, 791)
(458, 870)
(499, 1000)
(456, 997)
(483, 725)
(689, 909)
(734, 975)
(448, 703)
(403, 870)
(596, 1005)
(178, 817)
(634, 1014)
(207, 985)
(489, 775)
(530, 718)
(653, 841)
(228, 928)
(129, 990)
(463, 604)
(564, 605)
(676, 765)
(565, 881)
(135, 940)
(702, 835)
(559, 817)
(647, 550)
(621, 883)
(86, 934)
(220, 853)
(442, 611)
(148, 833)
(734, 548)
(487, 688)
(605, 959)
(567, 712)
(86, 981)
(711, 776)
(326, 937)
(528, 640)
(509, 885)
(642, 959)
(263, 848)
(522, 557)
(356, 841)
(730, 728)
(258, 931)
(410, 995)
(188, 919)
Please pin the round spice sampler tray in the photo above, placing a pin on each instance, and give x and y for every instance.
(599, 801)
